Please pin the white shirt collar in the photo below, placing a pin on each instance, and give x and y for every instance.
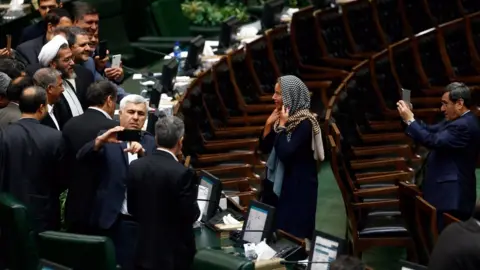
(102, 111)
(465, 113)
(168, 151)
(50, 108)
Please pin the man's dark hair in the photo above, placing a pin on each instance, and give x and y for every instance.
(11, 67)
(30, 101)
(80, 9)
(54, 16)
(58, 1)
(458, 90)
(72, 34)
(14, 90)
(61, 30)
(347, 263)
(99, 91)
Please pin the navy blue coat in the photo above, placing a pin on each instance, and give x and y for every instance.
(111, 190)
(450, 182)
(297, 203)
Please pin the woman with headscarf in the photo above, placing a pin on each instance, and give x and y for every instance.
(292, 136)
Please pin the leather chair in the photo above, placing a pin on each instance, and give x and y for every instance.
(77, 251)
(417, 15)
(17, 238)
(207, 259)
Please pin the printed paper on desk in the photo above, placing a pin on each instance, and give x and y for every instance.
(203, 196)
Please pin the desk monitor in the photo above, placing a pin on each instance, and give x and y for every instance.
(169, 73)
(209, 194)
(326, 248)
(48, 265)
(228, 32)
(272, 12)
(194, 51)
(258, 223)
(411, 266)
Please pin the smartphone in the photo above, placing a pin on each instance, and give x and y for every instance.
(101, 49)
(406, 96)
(9, 42)
(116, 60)
(129, 135)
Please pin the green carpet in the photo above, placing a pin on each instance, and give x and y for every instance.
(331, 218)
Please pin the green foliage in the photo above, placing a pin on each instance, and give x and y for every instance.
(204, 13)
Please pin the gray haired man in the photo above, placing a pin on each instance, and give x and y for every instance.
(51, 80)
(4, 83)
(162, 196)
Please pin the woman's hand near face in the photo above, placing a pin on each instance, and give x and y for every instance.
(272, 118)
(283, 115)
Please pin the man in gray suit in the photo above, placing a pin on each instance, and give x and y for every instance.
(11, 113)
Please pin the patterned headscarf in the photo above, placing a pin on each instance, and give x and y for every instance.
(296, 98)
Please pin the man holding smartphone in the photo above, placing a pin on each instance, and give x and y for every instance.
(111, 215)
(450, 182)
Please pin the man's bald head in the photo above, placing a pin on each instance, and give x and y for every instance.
(32, 100)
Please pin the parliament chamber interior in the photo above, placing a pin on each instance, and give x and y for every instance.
(363, 73)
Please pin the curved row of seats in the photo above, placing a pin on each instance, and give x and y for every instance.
(355, 58)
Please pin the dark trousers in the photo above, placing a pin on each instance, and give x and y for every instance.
(124, 234)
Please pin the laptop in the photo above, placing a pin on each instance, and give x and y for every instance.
(48, 265)
(325, 248)
(405, 265)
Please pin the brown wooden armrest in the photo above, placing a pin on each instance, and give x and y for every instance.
(375, 204)
(256, 119)
(259, 108)
(265, 98)
(244, 170)
(244, 156)
(341, 61)
(242, 184)
(403, 150)
(368, 192)
(362, 55)
(218, 145)
(368, 174)
(312, 85)
(291, 237)
(426, 101)
(426, 112)
(238, 131)
(385, 137)
(246, 197)
(321, 76)
(434, 91)
(467, 79)
(393, 177)
(320, 69)
(387, 126)
(238, 207)
(398, 163)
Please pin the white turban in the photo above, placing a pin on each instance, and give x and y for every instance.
(50, 50)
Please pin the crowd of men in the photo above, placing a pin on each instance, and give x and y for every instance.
(57, 135)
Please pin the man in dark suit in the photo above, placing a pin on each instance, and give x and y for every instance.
(101, 98)
(50, 80)
(110, 212)
(11, 113)
(450, 183)
(56, 18)
(458, 246)
(162, 196)
(41, 149)
(38, 29)
(76, 79)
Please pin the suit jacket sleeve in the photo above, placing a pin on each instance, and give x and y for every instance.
(284, 148)
(61, 154)
(188, 192)
(451, 137)
(131, 190)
